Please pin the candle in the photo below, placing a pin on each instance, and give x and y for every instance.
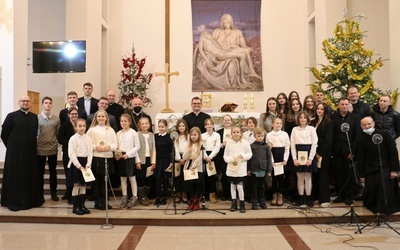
(251, 99)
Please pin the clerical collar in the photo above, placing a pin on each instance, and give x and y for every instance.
(26, 112)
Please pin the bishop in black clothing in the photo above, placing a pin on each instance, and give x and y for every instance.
(21, 185)
(370, 172)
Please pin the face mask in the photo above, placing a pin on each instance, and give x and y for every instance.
(137, 109)
(369, 130)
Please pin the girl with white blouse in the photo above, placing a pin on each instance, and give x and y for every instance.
(128, 146)
(212, 144)
(304, 142)
(104, 141)
(80, 154)
(237, 152)
(180, 144)
(279, 143)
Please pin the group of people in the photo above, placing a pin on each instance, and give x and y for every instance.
(300, 146)
(338, 149)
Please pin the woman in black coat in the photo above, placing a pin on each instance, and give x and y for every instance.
(324, 128)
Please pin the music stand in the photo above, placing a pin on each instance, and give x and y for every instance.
(345, 127)
(377, 139)
(107, 225)
(203, 205)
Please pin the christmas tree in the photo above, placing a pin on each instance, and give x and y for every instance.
(133, 82)
(350, 64)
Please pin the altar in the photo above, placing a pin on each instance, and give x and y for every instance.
(171, 118)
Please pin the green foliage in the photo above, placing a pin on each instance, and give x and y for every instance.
(350, 64)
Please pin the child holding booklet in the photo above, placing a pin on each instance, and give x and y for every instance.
(164, 146)
(145, 158)
(258, 167)
(279, 143)
(212, 144)
(128, 146)
(104, 142)
(192, 155)
(237, 153)
(80, 154)
(303, 141)
(181, 144)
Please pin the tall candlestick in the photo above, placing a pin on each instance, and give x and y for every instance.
(245, 103)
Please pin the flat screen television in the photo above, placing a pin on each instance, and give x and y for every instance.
(59, 56)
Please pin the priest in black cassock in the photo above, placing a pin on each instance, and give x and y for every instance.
(21, 186)
(370, 173)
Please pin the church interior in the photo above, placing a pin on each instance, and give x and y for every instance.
(291, 35)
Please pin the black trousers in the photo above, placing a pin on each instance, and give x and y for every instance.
(257, 189)
(52, 162)
(344, 177)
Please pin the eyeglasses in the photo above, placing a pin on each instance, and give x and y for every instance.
(24, 100)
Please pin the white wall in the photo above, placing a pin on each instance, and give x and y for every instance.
(376, 26)
(142, 23)
(46, 23)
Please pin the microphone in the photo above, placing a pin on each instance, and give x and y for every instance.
(345, 127)
(377, 138)
(174, 135)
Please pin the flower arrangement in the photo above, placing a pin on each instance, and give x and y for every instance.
(133, 81)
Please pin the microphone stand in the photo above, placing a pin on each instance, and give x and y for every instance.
(173, 193)
(378, 220)
(203, 205)
(353, 215)
(107, 225)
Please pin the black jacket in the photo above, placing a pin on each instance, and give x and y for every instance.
(340, 143)
(261, 159)
(389, 121)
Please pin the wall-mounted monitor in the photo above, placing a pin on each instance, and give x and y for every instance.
(59, 56)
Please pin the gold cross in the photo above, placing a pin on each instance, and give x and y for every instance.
(167, 73)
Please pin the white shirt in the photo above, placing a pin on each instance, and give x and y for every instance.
(103, 136)
(211, 143)
(128, 141)
(306, 135)
(79, 146)
(232, 150)
(279, 139)
(180, 146)
(249, 136)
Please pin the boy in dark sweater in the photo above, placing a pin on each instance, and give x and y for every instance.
(259, 166)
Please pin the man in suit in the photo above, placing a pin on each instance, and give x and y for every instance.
(72, 98)
(87, 102)
(102, 104)
(342, 155)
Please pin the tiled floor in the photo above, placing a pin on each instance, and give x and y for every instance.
(175, 231)
(55, 236)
